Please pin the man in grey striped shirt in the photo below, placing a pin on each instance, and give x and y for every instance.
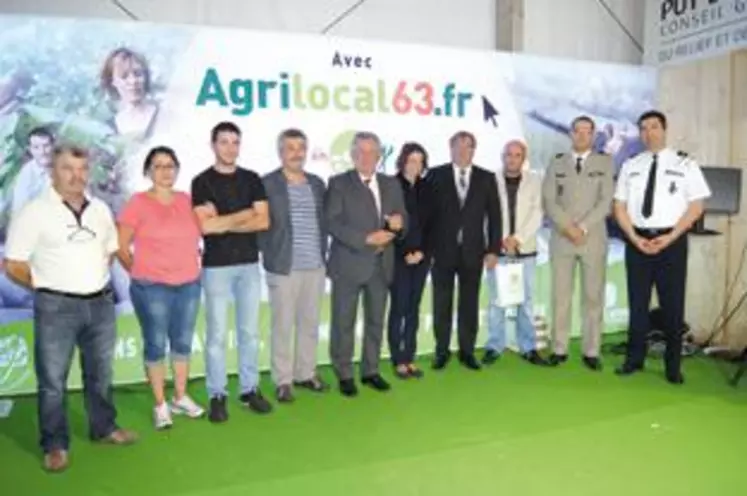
(294, 253)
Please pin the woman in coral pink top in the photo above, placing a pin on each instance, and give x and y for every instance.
(159, 246)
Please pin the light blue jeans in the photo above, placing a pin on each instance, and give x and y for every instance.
(240, 284)
(525, 336)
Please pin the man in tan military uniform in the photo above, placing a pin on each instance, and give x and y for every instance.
(577, 196)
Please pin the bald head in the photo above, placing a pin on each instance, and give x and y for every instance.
(514, 156)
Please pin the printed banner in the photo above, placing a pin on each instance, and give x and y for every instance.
(122, 88)
(680, 30)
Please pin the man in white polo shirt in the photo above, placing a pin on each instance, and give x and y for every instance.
(60, 245)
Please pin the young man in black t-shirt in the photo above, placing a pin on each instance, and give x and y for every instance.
(231, 205)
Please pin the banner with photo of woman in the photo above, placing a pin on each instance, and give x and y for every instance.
(120, 88)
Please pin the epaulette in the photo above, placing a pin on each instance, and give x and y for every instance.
(682, 154)
(559, 155)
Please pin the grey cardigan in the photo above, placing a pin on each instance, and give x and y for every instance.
(276, 243)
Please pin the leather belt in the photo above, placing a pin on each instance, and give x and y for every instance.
(77, 296)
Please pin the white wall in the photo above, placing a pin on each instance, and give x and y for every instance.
(465, 23)
(583, 29)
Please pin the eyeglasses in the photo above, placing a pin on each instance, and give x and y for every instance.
(80, 234)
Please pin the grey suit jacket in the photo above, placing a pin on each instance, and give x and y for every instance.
(277, 242)
(584, 198)
(351, 216)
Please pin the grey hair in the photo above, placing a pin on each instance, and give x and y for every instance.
(290, 133)
(365, 136)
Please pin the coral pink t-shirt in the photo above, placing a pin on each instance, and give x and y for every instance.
(166, 239)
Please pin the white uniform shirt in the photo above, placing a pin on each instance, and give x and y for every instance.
(679, 181)
(65, 253)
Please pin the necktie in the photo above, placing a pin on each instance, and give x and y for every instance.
(367, 183)
(648, 196)
(578, 165)
(462, 185)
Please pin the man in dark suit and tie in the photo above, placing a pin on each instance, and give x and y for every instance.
(467, 196)
(365, 211)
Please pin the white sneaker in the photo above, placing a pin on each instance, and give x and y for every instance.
(186, 406)
(162, 417)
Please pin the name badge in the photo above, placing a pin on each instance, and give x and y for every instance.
(670, 172)
(596, 174)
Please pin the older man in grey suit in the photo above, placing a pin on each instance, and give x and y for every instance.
(577, 196)
(364, 211)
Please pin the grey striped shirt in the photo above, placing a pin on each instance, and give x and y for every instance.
(307, 254)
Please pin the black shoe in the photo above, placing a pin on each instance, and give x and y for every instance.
(676, 379)
(217, 413)
(593, 363)
(284, 394)
(256, 402)
(627, 369)
(314, 384)
(470, 362)
(535, 358)
(490, 357)
(376, 382)
(441, 360)
(348, 388)
(556, 359)
(402, 371)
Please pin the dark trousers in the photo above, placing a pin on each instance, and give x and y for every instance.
(467, 306)
(345, 296)
(61, 323)
(667, 271)
(404, 310)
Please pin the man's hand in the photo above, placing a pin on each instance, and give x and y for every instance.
(394, 222)
(379, 239)
(642, 244)
(414, 258)
(491, 260)
(576, 235)
(511, 245)
(660, 243)
(206, 210)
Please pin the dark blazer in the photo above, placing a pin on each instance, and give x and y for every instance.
(480, 205)
(351, 216)
(419, 204)
(277, 242)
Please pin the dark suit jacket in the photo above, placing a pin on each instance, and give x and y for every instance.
(419, 204)
(481, 205)
(351, 216)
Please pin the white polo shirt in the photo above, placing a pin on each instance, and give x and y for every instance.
(65, 253)
(679, 181)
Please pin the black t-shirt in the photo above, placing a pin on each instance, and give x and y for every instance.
(512, 188)
(230, 193)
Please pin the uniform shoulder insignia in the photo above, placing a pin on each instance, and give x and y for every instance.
(682, 154)
(559, 155)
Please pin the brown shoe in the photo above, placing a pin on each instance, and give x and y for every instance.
(55, 461)
(120, 437)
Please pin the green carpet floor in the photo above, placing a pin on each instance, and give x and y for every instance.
(509, 429)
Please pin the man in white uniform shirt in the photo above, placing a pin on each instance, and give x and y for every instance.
(60, 245)
(659, 196)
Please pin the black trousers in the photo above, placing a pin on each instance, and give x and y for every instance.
(404, 310)
(469, 278)
(667, 271)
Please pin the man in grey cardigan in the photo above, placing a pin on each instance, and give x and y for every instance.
(293, 253)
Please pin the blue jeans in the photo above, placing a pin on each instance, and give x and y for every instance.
(525, 336)
(404, 310)
(166, 312)
(240, 283)
(61, 322)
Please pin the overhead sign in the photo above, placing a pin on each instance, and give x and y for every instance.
(681, 30)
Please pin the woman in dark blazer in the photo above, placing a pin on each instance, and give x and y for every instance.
(412, 261)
